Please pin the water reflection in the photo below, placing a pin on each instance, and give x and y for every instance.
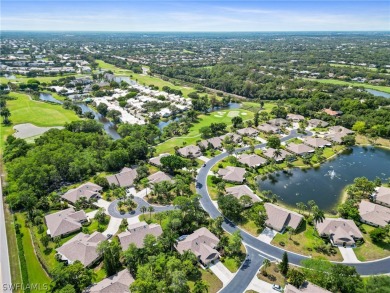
(325, 184)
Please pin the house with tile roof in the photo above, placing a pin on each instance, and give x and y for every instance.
(87, 190)
(65, 222)
(252, 160)
(190, 151)
(125, 178)
(118, 283)
(248, 131)
(374, 214)
(382, 196)
(240, 190)
(340, 231)
(268, 128)
(270, 154)
(202, 243)
(316, 142)
(82, 247)
(232, 174)
(279, 218)
(156, 161)
(136, 234)
(299, 149)
(158, 177)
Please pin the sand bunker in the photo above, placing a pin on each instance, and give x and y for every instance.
(233, 113)
(28, 130)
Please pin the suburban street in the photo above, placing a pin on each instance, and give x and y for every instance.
(255, 246)
(5, 271)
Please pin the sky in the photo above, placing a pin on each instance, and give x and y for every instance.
(188, 16)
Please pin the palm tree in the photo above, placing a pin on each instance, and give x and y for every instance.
(221, 187)
(143, 209)
(266, 265)
(301, 207)
(150, 210)
(318, 215)
(311, 204)
(277, 153)
(291, 231)
(159, 217)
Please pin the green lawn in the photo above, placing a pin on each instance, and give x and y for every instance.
(204, 120)
(273, 275)
(303, 242)
(385, 89)
(255, 107)
(212, 280)
(353, 66)
(369, 250)
(24, 110)
(12, 249)
(36, 273)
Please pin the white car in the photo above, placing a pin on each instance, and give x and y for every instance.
(277, 288)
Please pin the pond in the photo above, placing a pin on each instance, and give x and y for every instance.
(109, 127)
(378, 93)
(325, 184)
(162, 124)
(48, 98)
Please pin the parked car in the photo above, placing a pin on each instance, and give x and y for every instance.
(277, 288)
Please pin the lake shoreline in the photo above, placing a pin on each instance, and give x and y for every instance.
(310, 183)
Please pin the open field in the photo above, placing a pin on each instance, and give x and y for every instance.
(204, 120)
(385, 89)
(25, 110)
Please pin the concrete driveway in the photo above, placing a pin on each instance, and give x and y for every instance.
(113, 226)
(101, 203)
(267, 235)
(221, 272)
(260, 286)
(91, 215)
(348, 254)
(204, 159)
(142, 193)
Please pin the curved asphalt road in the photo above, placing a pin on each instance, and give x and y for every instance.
(256, 248)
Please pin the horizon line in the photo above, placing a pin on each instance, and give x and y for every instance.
(197, 31)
